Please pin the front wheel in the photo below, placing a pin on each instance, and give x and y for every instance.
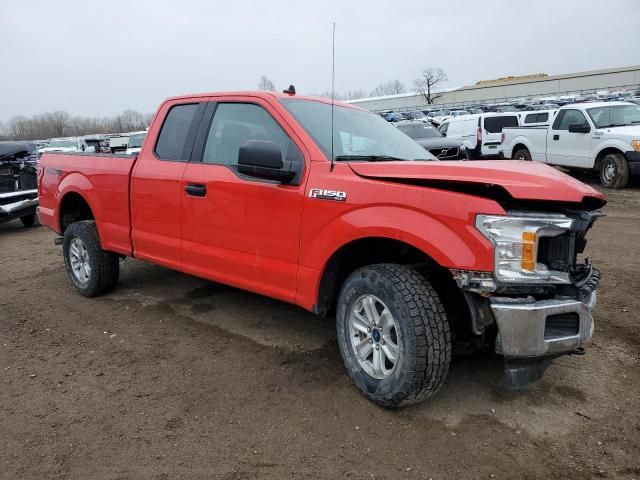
(614, 171)
(393, 335)
(91, 269)
(29, 220)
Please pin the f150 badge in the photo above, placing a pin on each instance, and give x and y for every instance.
(327, 194)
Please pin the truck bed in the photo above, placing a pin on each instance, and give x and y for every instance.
(533, 138)
(102, 180)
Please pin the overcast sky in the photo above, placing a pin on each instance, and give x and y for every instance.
(99, 58)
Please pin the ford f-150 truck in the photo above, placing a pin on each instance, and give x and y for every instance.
(603, 136)
(337, 211)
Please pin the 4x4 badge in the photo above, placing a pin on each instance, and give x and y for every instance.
(327, 194)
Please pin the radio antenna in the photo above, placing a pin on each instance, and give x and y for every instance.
(333, 86)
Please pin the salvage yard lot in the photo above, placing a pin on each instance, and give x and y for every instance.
(170, 376)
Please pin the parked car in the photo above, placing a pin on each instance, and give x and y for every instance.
(541, 106)
(327, 206)
(438, 116)
(416, 116)
(118, 143)
(100, 143)
(432, 140)
(66, 145)
(134, 145)
(18, 182)
(602, 136)
(480, 134)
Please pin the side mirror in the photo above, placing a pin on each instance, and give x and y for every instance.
(579, 128)
(263, 159)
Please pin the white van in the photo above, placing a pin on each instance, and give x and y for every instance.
(480, 133)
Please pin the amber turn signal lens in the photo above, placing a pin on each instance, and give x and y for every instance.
(528, 248)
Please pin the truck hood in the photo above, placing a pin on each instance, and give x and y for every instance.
(520, 180)
(626, 131)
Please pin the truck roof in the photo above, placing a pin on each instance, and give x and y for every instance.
(264, 95)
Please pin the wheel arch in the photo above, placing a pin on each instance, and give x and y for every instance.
(519, 146)
(74, 207)
(603, 153)
(375, 250)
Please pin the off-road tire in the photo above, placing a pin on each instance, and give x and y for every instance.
(522, 154)
(425, 350)
(30, 220)
(105, 266)
(618, 163)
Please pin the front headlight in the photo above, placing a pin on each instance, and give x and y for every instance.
(515, 239)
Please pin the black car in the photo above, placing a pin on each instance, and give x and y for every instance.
(18, 182)
(432, 140)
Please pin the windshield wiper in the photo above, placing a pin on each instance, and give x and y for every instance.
(369, 158)
(614, 125)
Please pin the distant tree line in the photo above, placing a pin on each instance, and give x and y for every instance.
(62, 124)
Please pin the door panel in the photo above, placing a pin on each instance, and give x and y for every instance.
(156, 183)
(244, 231)
(567, 148)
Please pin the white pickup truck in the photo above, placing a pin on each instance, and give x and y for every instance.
(603, 136)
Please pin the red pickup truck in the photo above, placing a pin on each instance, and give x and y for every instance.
(342, 214)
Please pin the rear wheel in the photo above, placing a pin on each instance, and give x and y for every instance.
(91, 269)
(393, 335)
(614, 171)
(29, 220)
(522, 154)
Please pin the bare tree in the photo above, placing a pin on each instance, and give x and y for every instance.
(265, 84)
(392, 87)
(428, 84)
(61, 124)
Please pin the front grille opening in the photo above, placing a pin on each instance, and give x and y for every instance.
(556, 252)
(561, 325)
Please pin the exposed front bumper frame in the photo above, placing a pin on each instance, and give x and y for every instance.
(521, 325)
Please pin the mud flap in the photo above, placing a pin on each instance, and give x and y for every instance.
(520, 373)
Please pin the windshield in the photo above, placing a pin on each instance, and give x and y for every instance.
(356, 132)
(615, 115)
(419, 131)
(62, 144)
(135, 140)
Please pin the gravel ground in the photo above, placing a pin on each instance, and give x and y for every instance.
(171, 376)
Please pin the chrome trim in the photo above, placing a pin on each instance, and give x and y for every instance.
(9, 208)
(19, 193)
(521, 324)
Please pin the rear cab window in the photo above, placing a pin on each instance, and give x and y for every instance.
(176, 135)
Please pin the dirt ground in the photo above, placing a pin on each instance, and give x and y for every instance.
(171, 377)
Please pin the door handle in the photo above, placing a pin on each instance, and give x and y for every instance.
(196, 189)
(556, 137)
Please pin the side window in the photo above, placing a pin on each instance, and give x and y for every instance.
(531, 118)
(175, 129)
(570, 117)
(543, 117)
(443, 129)
(235, 124)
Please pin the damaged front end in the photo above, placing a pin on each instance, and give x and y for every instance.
(540, 297)
(18, 180)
